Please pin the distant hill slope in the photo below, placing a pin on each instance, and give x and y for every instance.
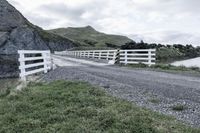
(88, 36)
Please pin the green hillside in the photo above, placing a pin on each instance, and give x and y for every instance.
(89, 37)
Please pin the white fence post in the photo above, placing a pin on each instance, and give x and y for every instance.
(100, 55)
(107, 58)
(149, 57)
(93, 54)
(44, 55)
(126, 59)
(22, 66)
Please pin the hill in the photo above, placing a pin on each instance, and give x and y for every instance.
(89, 37)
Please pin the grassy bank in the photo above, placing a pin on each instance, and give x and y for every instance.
(78, 107)
(166, 67)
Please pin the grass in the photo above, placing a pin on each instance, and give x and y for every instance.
(74, 107)
(179, 107)
(154, 100)
(166, 67)
(6, 85)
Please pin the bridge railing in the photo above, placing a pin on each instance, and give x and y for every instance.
(144, 56)
(32, 62)
(135, 56)
(99, 54)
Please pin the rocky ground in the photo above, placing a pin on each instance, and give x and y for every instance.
(171, 94)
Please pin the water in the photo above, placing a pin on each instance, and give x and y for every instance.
(195, 62)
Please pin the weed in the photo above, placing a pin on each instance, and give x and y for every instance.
(154, 100)
(178, 107)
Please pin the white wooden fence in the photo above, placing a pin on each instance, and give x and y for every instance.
(144, 56)
(32, 62)
(136, 56)
(99, 54)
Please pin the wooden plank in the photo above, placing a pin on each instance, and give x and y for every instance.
(139, 50)
(35, 71)
(130, 58)
(32, 65)
(33, 51)
(31, 58)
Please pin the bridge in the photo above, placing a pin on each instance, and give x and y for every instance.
(155, 90)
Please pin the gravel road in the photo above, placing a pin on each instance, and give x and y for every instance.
(158, 91)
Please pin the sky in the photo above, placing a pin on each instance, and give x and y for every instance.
(154, 21)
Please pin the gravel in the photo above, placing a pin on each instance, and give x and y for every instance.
(142, 87)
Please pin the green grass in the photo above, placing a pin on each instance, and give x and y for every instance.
(154, 100)
(166, 67)
(74, 107)
(178, 107)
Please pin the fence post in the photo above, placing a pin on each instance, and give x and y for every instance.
(44, 55)
(99, 54)
(93, 54)
(117, 57)
(84, 54)
(107, 58)
(126, 58)
(22, 66)
(149, 57)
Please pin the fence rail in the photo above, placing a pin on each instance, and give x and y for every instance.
(32, 62)
(144, 56)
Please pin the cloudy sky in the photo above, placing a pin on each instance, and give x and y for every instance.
(161, 21)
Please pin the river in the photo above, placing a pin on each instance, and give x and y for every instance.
(195, 62)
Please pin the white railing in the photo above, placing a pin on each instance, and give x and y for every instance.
(136, 56)
(99, 54)
(144, 56)
(32, 62)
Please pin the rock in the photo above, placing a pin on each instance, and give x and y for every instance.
(10, 17)
(17, 33)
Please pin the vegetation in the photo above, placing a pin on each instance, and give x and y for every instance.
(154, 100)
(165, 67)
(89, 37)
(6, 86)
(166, 53)
(78, 107)
(179, 108)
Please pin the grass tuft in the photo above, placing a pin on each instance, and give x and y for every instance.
(154, 100)
(179, 107)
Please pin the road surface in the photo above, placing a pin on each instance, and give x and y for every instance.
(158, 91)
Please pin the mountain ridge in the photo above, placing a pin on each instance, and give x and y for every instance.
(88, 36)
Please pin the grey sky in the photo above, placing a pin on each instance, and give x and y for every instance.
(161, 21)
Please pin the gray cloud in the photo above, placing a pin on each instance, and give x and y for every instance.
(62, 10)
(168, 21)
(169, 37)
